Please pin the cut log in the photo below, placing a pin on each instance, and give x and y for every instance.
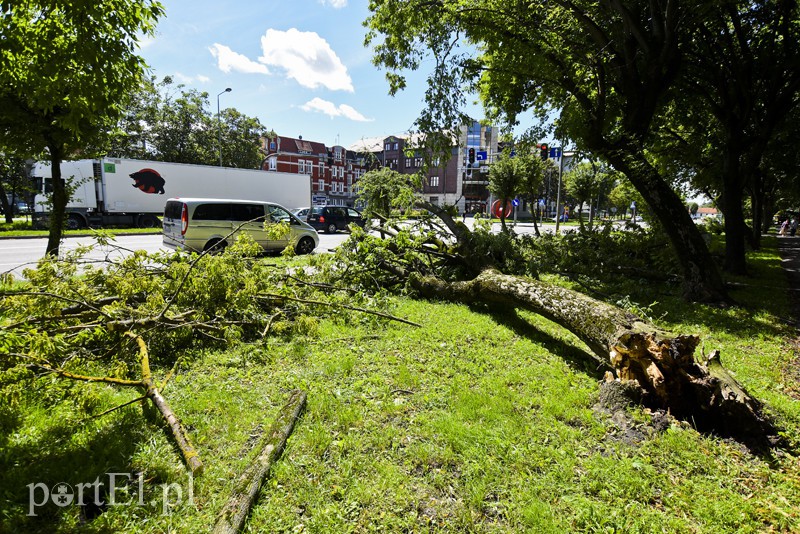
(233, 515)
(661, 363)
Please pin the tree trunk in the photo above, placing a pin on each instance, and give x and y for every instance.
(662, 364)
(60, 199)
(701, 278)
(235, 512)
(5, 205)
(732, 197)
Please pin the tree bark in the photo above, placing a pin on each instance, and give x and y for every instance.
(59, 201)
(702, 280)
(233, 515)
(661, 363)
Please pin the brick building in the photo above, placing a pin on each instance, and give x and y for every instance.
(462, 180)
(333, 170)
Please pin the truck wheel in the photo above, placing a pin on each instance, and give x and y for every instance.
(149, 221)
(75, 222)
(331, 228)
(305, 246)
(215, 246)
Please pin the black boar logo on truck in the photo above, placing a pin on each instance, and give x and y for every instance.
(149, 181)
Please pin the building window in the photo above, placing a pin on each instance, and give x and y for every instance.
(321, 169)
(321, 185)
(387, 146)
(273, 145)
(394, 146)
(434, 181)
(273, 164)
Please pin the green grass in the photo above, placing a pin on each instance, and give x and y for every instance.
(22, 227)
(481, 421)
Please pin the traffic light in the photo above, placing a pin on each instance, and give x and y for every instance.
(471, 156)
(545, 151)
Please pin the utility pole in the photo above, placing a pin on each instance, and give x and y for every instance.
(219, 126)
(558, 191)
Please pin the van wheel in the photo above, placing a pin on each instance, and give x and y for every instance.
(215, 246)
(149, 221)
(75, 222)
(331, 228)
(305, 246)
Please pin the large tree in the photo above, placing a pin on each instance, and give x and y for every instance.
(742, 76)
(607, 67)
(168, 122)
(585, 182)
(66, 70)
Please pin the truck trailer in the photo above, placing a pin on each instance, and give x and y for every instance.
(129, 192)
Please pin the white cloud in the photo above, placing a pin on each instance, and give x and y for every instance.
(332, 110)
(307, 58)
(336, 4)
(228, 60)
(187, 80)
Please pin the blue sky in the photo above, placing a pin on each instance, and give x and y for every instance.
(299, 66)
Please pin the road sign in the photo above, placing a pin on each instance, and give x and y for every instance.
(515, 202)
(481, 155)
(319, 200)
(555, 152)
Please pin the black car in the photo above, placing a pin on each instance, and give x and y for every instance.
(333, 218)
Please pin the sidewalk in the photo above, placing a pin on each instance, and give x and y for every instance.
(789, 248)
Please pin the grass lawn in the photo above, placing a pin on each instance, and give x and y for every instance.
(480, 421)
(22, 227)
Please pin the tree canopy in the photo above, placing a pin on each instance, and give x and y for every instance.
(610, 72)
(169, 122)
(66, 72)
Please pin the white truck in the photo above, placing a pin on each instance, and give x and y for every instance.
(129, 192)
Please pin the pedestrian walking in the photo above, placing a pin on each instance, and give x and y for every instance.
(784, 227)
(793, 227)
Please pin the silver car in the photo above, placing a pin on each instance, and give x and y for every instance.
(211, 223)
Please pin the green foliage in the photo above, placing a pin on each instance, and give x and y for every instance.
(384, 190)
(521, 175)
(68, 68)
(66, 74)
(72, 315)
(601, 73)
(604, 259)
(169, 122)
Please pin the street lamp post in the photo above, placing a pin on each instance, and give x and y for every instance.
(219, 125)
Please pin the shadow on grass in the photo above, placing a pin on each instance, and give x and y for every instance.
(62, 453)
(762, 292)
(577, 358)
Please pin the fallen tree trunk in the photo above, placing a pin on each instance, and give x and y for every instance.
(235, 512)
(661, 363)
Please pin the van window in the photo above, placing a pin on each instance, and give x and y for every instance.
(212, 212)
(247, 212)
(173, 210)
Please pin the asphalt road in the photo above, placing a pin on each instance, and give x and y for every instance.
(17, 254)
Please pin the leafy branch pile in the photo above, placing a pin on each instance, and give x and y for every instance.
(118, 323)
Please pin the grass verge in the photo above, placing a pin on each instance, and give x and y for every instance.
(481, 421)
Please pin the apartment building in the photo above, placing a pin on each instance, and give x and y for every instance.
(462, 179)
